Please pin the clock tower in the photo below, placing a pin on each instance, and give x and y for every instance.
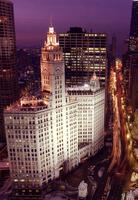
(52, 69)
(53, 89)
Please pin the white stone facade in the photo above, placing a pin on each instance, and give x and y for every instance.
(43, 135)
(91, 105)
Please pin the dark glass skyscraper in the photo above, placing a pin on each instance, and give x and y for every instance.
(84, 52)
(8, 71)
(133, 40)
(131, 58)
(134, 20)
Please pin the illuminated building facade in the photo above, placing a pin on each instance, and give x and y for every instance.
(84, 53)
(8, 72)
(53, 81)
(91, 105)
(43, 131)
(46, 136)
(39, 150)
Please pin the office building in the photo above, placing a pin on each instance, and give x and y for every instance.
(40, 146)
(91, 105)
(42, 134)
(47, 136)
(84, 52)
(64, 112)
(131, 59)
(8, 71)
(134, 19)
(133, 39)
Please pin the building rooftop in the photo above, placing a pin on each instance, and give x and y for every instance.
(87, 89)
(76, 30)
(28, 103)
(83, 92)
(82, 31)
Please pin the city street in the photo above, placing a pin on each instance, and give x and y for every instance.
(123, 161)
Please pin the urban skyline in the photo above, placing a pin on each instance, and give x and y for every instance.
(72, 133)
(32, 19)
(65, 126)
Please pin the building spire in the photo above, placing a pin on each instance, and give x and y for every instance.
(94, 77)
(52, 36)
(94, 82)
(51, 21)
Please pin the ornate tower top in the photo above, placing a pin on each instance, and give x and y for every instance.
(51, 60)
(94, 83)
(51, 37)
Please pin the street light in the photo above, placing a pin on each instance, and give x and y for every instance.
(128, 136)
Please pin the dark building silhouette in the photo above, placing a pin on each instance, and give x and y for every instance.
(84, 52)
(131, 59)
(134, 20)
(8, 71)
(112, 54)
(28, 62)
(133, 40)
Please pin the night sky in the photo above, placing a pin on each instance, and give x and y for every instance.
(32, 18)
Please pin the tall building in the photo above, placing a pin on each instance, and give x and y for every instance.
(131, 59)
(41, 145)
(133, 37)
(134, 20)
(43, 131)
(63, 111)
(91, 106)
(84, 52)
(49, 136)
(130, 76)
(8, 71)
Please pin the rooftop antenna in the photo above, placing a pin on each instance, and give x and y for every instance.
(51, 21)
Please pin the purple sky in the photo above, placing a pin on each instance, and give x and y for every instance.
(32, 18)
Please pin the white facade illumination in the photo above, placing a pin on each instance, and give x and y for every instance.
(42, 134)
(29, 143)
(47, 136)
(91, 104)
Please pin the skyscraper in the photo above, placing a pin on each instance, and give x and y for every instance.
(131, 58)
(84, 53)
(43, 131)
(50, 135)
(134, 20)
(91, 105)
(133, 37)
(8, 71)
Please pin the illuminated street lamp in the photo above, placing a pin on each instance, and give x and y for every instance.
(128, 136)
(130, 126)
